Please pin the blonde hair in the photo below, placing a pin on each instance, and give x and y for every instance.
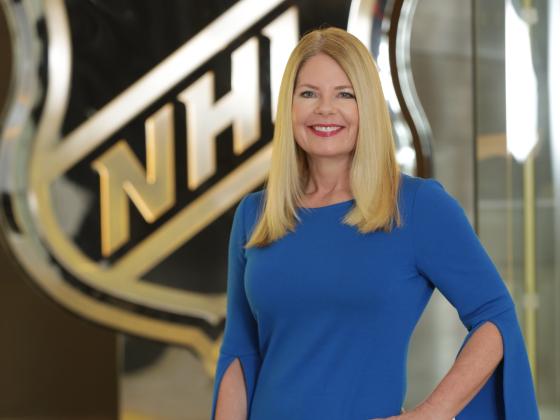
(374, 172)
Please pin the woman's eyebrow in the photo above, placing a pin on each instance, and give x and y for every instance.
(308, 86)
(316, 88)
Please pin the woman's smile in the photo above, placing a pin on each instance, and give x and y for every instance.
(326, 130)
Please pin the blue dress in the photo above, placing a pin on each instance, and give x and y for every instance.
(321, 319)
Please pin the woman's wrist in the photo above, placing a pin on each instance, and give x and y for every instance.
(429, 411)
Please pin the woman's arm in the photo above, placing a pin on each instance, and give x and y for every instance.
(239, 359)
(473, 367)
(232, 397)
(451, 257)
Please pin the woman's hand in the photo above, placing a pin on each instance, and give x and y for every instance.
(422, 412)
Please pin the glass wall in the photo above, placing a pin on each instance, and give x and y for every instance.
(518, 169)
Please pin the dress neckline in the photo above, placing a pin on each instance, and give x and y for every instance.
(340, 203)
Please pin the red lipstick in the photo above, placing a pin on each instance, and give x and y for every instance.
(325, 130)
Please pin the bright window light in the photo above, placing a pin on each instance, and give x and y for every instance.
(521, 87)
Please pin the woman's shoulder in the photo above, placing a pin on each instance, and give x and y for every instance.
(413, 187)
(251, 204)
(412, 181)
(426, 198)
(253, 200)
(428, 202)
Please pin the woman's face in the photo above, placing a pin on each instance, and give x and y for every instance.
(324, 110)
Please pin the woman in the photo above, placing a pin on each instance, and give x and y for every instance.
(331, 266)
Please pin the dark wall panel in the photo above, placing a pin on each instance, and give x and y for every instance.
(52, 364)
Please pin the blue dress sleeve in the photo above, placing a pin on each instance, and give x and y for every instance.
(240, 339)
(450, 255)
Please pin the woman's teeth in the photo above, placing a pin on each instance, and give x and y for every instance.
(325, 129)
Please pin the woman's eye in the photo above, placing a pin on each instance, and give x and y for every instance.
(307, 94)
(347, 95)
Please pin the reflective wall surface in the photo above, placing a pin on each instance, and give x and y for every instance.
(517, 164)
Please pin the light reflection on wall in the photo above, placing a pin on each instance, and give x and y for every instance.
(521, 84)
(554, 89)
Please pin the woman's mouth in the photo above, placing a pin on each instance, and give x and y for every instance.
(325, 130)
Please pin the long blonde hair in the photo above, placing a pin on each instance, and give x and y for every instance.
(374, 173)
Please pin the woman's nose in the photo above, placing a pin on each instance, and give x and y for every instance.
(324, 106)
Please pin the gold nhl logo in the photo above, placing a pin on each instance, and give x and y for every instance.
(141, 208)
